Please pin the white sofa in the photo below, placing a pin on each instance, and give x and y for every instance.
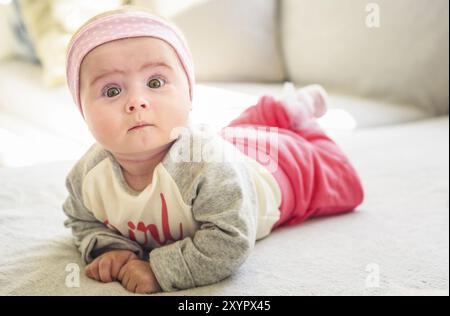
(388, 111)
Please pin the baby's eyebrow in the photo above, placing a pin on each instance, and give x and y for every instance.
(152, 64)
(155, 64)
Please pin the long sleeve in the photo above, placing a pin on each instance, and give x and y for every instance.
(92, 237)
(225, 206)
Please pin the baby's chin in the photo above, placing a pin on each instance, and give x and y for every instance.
(139, 148)
(139, 142)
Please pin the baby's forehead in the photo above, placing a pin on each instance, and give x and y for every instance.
(138, 46)
(131, 52)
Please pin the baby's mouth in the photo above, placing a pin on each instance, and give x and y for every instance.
(140, 125)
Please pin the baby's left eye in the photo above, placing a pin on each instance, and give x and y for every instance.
(156, 83)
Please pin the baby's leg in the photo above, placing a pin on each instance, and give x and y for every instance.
(315, 176)
(321, 175)
(296, 110)
(267, 112)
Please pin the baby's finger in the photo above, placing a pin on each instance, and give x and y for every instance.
(131, 285)
(116, 267)
(92, 270)
(95, 274)
(104, 270)
(125, 279)
(88, 268)
(121, 273)
(143, 289)
(87, 271)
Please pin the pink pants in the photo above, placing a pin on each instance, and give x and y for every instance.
(315, 176)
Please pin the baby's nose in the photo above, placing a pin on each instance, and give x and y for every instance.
(134, 107)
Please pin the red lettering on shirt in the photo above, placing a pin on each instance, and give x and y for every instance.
(153, 229)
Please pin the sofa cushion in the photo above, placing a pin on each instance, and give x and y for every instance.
(346, 111)
(231, 40)
(404, 59)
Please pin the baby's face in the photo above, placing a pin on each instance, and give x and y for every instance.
(130, 82)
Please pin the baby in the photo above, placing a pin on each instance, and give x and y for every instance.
(159, 204)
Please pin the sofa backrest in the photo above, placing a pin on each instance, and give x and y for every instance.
(396, 50)
(231, 40)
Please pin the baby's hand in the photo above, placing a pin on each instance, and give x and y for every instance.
(137, 277)
(106, 267)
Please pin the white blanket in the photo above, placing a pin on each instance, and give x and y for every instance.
(396, 243)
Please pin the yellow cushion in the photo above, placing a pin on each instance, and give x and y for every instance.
(51, 23)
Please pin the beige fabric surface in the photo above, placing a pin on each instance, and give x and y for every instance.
(404, 60)
(401, 228)
(231, 40)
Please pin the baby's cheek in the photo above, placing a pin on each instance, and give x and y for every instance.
(180, 116)
(105, 130)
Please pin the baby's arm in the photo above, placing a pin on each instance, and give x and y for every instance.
(92, 237)
(225, 206)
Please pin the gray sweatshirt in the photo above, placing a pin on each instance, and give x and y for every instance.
(196, 222)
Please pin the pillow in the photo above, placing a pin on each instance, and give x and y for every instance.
(230, 40)
(51, 23)
(13, 34)
(405, 59)
(6, 48)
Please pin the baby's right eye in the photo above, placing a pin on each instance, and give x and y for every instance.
(112, 92)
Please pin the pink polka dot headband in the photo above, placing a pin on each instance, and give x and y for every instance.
(119, 26)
